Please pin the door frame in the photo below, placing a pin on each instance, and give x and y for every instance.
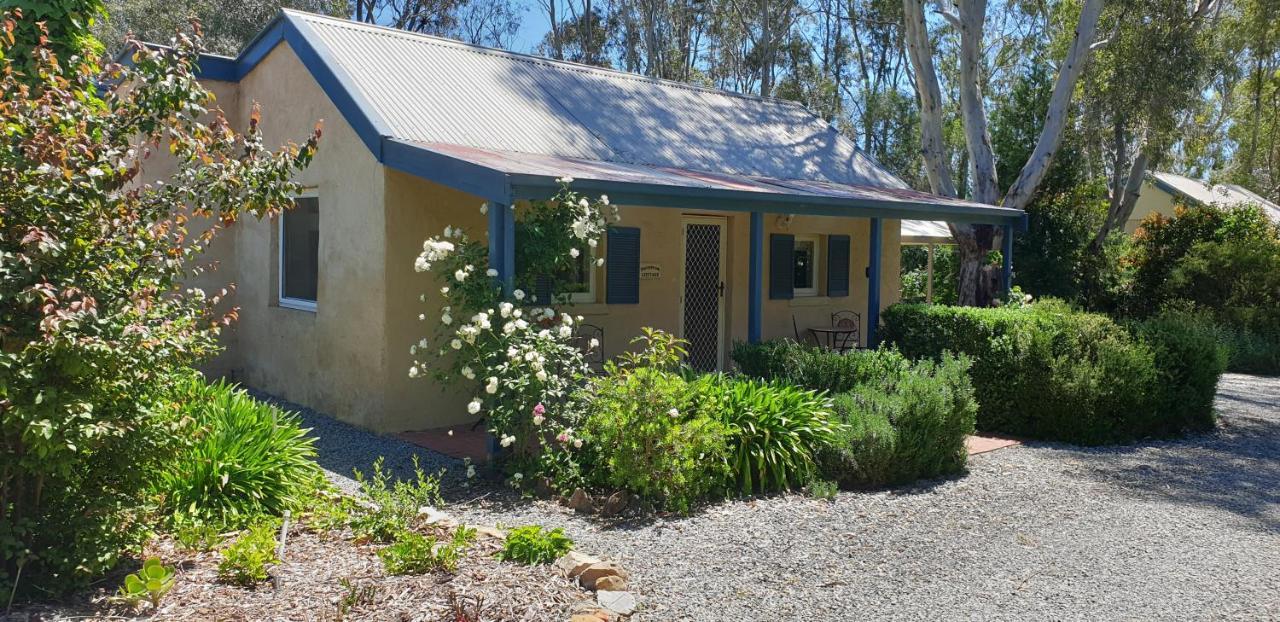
(721, 329)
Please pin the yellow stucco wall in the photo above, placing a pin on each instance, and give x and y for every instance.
(1150, 200)
(350, 357)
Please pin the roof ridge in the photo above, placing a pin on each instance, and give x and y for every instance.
(536, 59)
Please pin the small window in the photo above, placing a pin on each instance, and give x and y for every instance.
(580, 283)
(805, 259)
(300, 254)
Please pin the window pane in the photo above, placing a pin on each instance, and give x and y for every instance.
(578, 278)
(300, 252)
(804, 257)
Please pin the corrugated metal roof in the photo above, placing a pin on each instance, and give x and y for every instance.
(1221, 194)
(440, 91)
(926, 232)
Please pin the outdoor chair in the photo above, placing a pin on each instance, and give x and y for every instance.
(847, 319)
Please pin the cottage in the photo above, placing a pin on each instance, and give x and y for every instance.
(1163, 192)
(742, 217)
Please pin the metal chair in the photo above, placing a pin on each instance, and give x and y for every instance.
(582, 339)
(847, 319)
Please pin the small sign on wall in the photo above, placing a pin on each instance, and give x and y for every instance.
(650, 271)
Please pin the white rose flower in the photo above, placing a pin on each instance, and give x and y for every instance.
(519, 294)
(593, 242)
(541, 375)
(444, 291)
(508, 440)
(604, 198)
(446, 319)
(456, 344)
(573, 252)
(577, 443)
(505, 308)
(459, 275)
(566, 331)
(673, 413)
(492, 386)
(594, 343)
(421, 265)
(491, 272)
(468, 373)
(517, 313)
(474, 406)
(484, 208)
(413, 371)
(600, 262)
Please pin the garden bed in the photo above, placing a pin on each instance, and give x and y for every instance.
(327, 576)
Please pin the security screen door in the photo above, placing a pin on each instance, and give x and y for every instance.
(702, 295)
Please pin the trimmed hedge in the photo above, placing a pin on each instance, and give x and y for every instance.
(902, 421)
(1052, 373)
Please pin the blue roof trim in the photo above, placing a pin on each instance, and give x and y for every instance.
(658, 195)
(335, 82)
(481, 181)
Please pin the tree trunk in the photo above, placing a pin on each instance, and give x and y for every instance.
(1122, 208)
(1055, 120)
(915, 35)
(982, 160)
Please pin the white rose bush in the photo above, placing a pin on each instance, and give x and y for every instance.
(517, 355)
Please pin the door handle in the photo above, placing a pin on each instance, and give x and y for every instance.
(720, 289)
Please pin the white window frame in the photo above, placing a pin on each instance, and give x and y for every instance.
(808, 292)
(282, 300)
(589, 296)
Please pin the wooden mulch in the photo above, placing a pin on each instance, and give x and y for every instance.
(326, 576)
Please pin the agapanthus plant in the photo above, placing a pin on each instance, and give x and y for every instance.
(521, 360)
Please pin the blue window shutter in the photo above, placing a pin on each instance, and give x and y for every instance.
(837, 265)
(622, 267)
(782, 270)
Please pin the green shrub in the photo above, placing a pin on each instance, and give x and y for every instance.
(243, 459)
(904, 427)
(1189, 361)
(814, 368)
(95, 321)
(197, 536)
(244, 562)
(531, 545)
(414, 553)
(774, 429)
(644, 434)
(1249, 352)
(391, 506)
(1049, 372)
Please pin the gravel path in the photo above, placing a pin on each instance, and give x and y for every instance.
(1186, 530)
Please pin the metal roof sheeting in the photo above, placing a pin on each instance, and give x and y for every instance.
(926, 232)
(433, 90)
(1222, 194)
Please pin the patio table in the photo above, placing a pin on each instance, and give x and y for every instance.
(840, 339)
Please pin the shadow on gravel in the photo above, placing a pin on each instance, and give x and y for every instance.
(1235, 469)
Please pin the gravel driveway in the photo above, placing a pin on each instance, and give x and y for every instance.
(1186, 530)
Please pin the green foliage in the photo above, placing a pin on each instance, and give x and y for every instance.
(532, 545)
(1052, 256)
(197, 536)
(905, 427)
(392, 506)
(150, 583)
(822, 489)
(414, 553)
(815, 368)
(1189, 360)
(644, 432)
(774, 429)
(1049, 372)
(245, 561)
(897, 421)
(915, 273)
(226, 26)
(94, 319)
(241, 459)
(1224, 262)
(65, 24)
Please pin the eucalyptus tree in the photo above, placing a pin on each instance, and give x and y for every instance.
(227, 26)
(969, 17)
